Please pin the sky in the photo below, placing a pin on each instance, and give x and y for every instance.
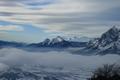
(34, 20)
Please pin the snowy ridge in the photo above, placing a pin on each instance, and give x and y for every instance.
(53, 41)
(77, 39)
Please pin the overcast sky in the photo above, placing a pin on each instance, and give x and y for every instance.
(35, 20)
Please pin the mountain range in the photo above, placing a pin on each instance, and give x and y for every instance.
(109, 42)
(57, 42)
(4, 44)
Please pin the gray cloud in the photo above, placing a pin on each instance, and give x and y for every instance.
(71, 16)
(112, 14)
(11, 56)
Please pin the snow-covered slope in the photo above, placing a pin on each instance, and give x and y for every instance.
(77, 39)
(58, 39)
(109, 42)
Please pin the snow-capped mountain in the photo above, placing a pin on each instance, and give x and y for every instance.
(58, 42)
(46, 42)
(53, 41)
(77, 39)
(58, 39)
(109, 42)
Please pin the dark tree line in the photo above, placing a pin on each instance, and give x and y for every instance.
(107, 72)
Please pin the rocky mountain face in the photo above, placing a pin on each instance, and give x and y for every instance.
(109, 42)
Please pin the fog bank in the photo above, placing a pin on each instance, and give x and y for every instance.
(12, 57)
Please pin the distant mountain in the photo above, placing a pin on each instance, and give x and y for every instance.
(77, 39)
(109, 42)
(58, 42)
(11, 44)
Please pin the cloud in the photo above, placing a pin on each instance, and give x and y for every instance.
(63, 16)
(11, 28)
(12, 57)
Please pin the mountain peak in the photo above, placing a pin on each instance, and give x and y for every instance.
(46, 41)
(57, 39)
(113, 29)
(111, 35)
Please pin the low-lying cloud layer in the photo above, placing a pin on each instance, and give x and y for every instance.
(13, 57)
